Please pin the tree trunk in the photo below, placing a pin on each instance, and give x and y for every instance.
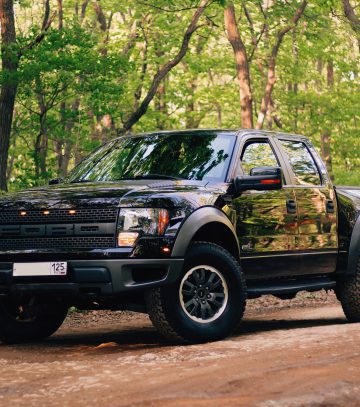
(64, 164)
(8, 89)
(326, 134)
(41, 147)
(11, 158)
(193, 117)
(44, 152)
(104, 128)
(41, 144)
(160, 106)
(191, 121)
(242, 66)
(326, 151)
(354, 20)
(60, 14)
(144, 66)
(10, 61)
(104, 123)
(295, 51)
(37, 148)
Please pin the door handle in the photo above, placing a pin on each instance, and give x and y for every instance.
(291, 205)
(330, 207)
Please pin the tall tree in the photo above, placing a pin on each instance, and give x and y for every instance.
(11, 55)
(354, 20)
(10, 61)
(242, 66)
(165, 69)
(271, 74)
(242, 59)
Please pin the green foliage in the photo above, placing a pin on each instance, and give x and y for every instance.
(345, 176)
(78, 85)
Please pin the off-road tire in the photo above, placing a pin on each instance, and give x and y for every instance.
(168, 315)
(348, 293)
(45, 319)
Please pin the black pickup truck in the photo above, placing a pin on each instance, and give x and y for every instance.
(184, 225)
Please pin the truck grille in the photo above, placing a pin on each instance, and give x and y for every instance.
(58, 243)
(86, 229)
(86, 215)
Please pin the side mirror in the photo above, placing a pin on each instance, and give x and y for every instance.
(260, 179)
(55, 181)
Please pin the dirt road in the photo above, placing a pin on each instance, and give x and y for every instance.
(304, 356)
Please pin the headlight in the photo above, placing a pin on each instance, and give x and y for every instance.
(137, 222)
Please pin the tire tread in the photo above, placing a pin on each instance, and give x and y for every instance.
(12, 332)
(348, 293)
(156, 309)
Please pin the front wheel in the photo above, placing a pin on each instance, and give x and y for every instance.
(30, 319)
(207, 302)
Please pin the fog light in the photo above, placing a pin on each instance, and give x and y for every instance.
(127, 239)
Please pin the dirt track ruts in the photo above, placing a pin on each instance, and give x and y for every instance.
(305, 356)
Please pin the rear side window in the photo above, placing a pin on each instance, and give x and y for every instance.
(258, 154)
(302, 163)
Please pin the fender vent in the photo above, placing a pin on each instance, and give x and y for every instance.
(147, 275)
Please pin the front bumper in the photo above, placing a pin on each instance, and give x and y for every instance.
(95, 277)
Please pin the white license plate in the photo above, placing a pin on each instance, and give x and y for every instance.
(55, 268)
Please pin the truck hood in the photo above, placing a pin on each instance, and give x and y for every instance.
(351, 193)
(134, 193)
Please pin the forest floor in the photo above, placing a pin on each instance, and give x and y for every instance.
(291, 353)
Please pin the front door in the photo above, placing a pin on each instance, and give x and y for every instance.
(266, 220)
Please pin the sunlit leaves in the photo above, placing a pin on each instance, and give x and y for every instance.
(91, 80)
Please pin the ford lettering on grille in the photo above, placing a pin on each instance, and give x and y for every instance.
(82, 229)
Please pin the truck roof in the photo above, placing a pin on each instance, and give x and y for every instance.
(206, 131)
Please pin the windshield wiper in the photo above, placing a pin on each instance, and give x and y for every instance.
(153, 176)
(79, 181)
(144, 176)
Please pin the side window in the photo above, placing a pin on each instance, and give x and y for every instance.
(258, 154)
(302, 163)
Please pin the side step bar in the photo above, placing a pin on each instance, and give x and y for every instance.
(257, 289)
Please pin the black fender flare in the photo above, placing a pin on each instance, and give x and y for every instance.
(354, 249)
(194, 222)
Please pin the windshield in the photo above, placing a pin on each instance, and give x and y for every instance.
(179, 156)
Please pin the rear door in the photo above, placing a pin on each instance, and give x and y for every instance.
(266, 220)
(316, 206)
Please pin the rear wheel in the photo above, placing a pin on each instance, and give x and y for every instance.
(348, 293)
(207, 302)
(30, 319)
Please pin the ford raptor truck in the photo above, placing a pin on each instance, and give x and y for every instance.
(183, 225)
